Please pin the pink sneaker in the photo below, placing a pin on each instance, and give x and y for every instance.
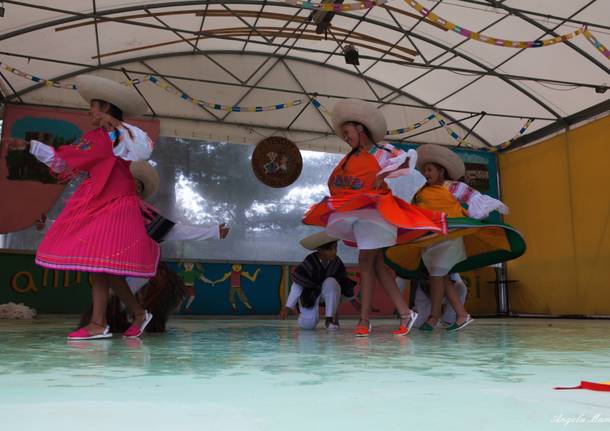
(135, 331)
(84, 334)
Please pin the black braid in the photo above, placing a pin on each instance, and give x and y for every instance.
(350, 154)
(382, 148)
(113, 111)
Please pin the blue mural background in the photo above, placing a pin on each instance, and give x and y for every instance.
(263, 295)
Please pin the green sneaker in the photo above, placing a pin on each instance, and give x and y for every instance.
(426, 327)
(455, 327)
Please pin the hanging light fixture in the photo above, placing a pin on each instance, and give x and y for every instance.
(350, 52)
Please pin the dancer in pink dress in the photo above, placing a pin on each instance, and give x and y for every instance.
(101, 229)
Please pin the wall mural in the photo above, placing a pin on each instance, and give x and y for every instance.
(219, 289)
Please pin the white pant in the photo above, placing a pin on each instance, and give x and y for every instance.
(440, 258)
(402, 284)
(330, 296)
(423, 306)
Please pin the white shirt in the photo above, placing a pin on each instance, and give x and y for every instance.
(138, 146)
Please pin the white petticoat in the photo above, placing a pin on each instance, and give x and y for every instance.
(365, 227)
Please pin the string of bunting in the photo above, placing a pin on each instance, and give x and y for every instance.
(412, 126)
(320, 107)
(228, 108)
(487, 39)
(337, 7)
(597, 44)
(155, 80)
(433, 116)
(443, 123)
(452, 133)
(507, 144)
(473, 35)
(218, 107)
(36, 78)
(448, 25)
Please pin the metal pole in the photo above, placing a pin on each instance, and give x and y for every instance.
(503, 308)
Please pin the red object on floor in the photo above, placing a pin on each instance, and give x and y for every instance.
(592, 386)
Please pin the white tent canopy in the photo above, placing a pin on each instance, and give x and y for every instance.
(260, 53)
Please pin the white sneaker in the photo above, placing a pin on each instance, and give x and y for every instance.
(333, 326)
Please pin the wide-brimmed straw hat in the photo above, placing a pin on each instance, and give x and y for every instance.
(123, 97)
(317, 240)
(143, 171)
(361, 112)
(430, 153)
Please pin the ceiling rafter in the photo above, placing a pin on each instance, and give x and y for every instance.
(547, 31)
(113, 67)
(421, 103)
(268, 36)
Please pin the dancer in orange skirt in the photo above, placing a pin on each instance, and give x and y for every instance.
(361, 209)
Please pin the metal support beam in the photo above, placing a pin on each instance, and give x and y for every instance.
(441, 65)
(268, 70)
(140, 93)
(85, 68)
(15, 93)
(97, 36)
(307, 94)
(104, 16)
(194, 46)
(545, 16)
(180, 90)
(473, 127)
(552, 31)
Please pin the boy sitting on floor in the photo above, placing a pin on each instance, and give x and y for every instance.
(320, 279)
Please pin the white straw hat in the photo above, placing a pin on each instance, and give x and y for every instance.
(317, 240)
(361, 112)
(431, 153)
(143, 171)
(123, 97)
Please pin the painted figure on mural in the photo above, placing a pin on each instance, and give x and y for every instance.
(236, 288)
(191, 273)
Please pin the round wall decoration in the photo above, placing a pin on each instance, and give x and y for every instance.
(277, 162)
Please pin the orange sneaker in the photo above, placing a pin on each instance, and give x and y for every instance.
(405, 329)
(362, 331)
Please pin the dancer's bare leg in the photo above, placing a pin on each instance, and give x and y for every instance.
(388, 281)
(437, 293)
(122, 290)
(454, 300)
(99, 293)
(366, 261)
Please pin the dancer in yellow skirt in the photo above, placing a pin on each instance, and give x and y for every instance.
(469, 244)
